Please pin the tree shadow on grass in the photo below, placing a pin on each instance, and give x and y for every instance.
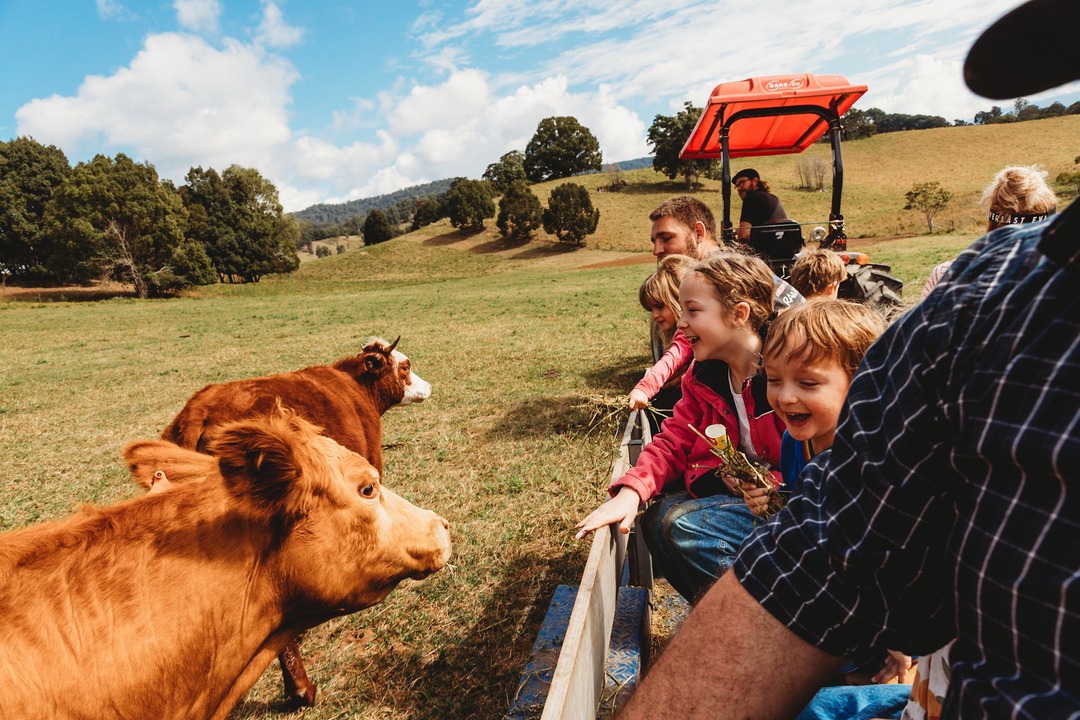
(451, 238)
(672, 187)
(539, 250)
(498, 244)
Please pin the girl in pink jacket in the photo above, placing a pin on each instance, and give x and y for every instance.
(695, 528)
(659, 294)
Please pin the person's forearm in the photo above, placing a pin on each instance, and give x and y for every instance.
(731, 659)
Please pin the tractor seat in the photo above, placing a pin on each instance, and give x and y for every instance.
(777, 241)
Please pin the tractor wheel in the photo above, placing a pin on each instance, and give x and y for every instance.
(874, 285)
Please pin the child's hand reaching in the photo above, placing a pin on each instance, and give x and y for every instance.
(621, 509)
(637, 400)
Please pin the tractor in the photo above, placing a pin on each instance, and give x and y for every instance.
(785, 114)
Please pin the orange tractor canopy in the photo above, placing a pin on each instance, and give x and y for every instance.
(774, 115)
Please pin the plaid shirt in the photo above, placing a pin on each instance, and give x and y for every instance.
(949, 505)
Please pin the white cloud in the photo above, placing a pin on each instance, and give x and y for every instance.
(183, 101)
(198, 15)
(463, 96)
(112, 10)
(925, 85)
(179, 103)
(274, 31)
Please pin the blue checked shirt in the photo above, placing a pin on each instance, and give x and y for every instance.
(949, 505)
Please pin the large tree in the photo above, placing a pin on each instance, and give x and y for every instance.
(667, 135)
(561, 147)
(570, 215)
(29, 175)
(238, 216)
(115, 218)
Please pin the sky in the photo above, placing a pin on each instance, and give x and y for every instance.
(335, 100)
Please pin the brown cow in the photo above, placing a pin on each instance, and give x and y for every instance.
(346, 399)
(172, 605)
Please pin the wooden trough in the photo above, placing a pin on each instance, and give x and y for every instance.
(593, 644)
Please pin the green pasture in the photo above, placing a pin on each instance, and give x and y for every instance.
(530, 350)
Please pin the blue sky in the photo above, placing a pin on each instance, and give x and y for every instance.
(336, 100)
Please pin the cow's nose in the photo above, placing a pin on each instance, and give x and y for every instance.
(444, 521)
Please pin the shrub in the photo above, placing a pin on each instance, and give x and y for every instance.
(378, 228)
(468, 203)
(929, 197)
(323, 251)
(519, 211)
(570, 215)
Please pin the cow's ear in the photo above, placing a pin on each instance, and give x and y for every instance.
(375, 363)
(259, 459)
(145, 457)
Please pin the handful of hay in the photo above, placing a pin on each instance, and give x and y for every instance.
(739, 467)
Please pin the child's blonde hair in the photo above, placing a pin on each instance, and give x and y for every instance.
(815, 270)
(1018, 194)
(662, 286)
(825, 329)
(737, 278)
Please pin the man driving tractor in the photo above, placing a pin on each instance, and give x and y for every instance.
(760, 207)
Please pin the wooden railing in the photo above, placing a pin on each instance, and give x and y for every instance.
(583, 667)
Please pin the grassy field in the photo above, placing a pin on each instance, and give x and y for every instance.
(528, 348)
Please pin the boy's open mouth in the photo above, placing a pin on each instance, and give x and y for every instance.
(796, 418)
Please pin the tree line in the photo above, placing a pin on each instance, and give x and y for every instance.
(865, 123)
(561, 147)
(114, 218)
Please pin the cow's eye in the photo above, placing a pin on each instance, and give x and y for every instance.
(368, 490)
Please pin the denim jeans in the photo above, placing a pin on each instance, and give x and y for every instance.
(693, 541)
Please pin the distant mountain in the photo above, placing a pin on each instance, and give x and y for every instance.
(340, 212)
(337, 213)
(635, 164)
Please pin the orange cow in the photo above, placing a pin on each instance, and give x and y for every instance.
(346, 399)
(172, 605)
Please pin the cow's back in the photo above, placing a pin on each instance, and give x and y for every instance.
(322, 395)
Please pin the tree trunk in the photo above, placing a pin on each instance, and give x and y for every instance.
(127, 258)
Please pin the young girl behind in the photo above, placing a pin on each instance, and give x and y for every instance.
(694, 531)
(659, 294)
